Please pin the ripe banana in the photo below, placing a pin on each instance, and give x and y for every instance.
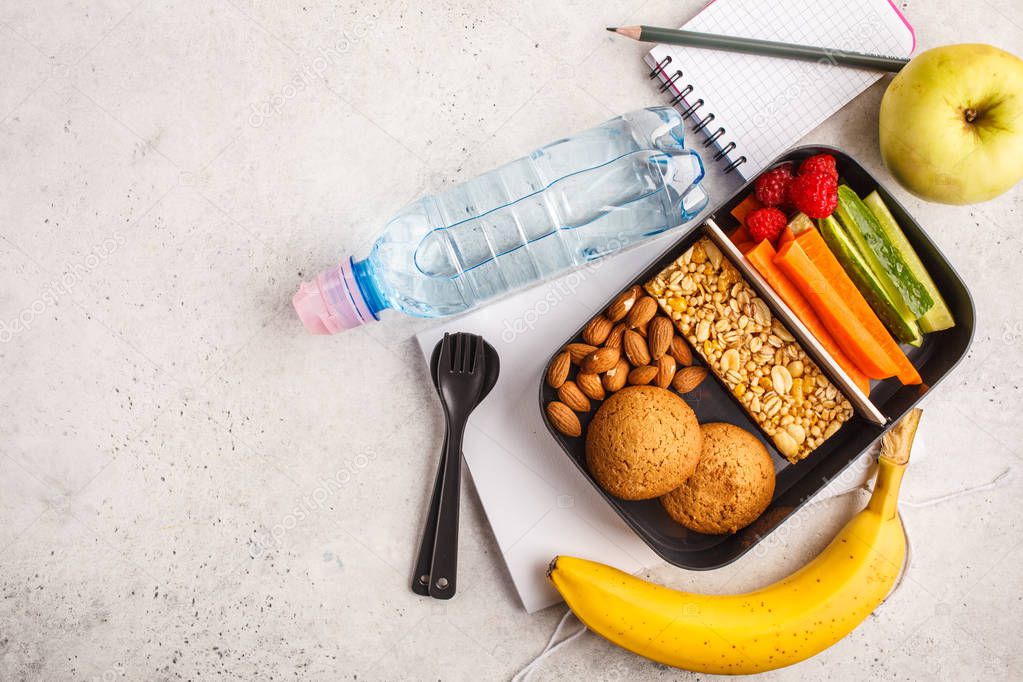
(776, 626)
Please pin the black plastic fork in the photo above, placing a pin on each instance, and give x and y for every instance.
(492, 370)
(460, 378)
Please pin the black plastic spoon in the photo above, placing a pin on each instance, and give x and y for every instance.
(421, 575)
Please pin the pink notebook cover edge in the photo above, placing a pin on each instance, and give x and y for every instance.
(891, 3)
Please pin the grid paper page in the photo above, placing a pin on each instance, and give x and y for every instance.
(765, 104)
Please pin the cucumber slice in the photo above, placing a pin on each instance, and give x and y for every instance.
(900, 322)
(939, 316)
(884, 259)
(800, 223)
(877, 273)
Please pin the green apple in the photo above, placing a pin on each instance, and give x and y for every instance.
(951, 124)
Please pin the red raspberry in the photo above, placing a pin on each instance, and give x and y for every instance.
(821, 163)
(765, 223)
(772, 185)
(815, 194)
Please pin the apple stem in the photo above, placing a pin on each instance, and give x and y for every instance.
(970, 114)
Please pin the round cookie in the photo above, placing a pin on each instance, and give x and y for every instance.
(732, 485)
(643, 442)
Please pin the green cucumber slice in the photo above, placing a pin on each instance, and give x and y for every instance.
(877, 273)
(939, 316)
(800, 223)
(900, 322)
(884, 259)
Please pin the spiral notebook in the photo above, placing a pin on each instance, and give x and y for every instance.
(751, 108)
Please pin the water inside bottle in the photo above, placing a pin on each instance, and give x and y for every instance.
(575, 219)
(568, 203)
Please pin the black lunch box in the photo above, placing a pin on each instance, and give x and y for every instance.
(712, 401)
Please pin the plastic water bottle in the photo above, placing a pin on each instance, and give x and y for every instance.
(566, 204)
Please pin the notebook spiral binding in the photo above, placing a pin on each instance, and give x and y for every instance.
(672, 82)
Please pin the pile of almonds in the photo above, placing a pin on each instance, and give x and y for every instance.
(631, 343)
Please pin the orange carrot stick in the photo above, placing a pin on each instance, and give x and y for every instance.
(740, 235)
(743, 208)
(817, 250)
(847, 329)
(761, 257)
(787, 235)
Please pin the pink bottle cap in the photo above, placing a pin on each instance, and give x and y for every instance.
(332, 302)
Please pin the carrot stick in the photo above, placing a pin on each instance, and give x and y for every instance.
(740, 235)
(817, 250)
(761, 257)
(743, 208)
(787, 235)
(847, 329)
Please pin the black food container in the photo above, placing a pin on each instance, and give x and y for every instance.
(712, 401)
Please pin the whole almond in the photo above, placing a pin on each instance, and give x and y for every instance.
(564, 419)
(578, 351)
(558, 370)
(641, 376)
(615, 378)
(680, 351)
(620, 307)
(643, 310)
(635, 348)
(658, 336)
(590, 385)
(614, 339)
(597, 330)
(570, 394)
(600, 360)
(688, 378)
(665, 371)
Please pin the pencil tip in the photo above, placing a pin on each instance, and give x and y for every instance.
(612, 29)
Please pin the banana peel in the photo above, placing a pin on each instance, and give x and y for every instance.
(778, 625)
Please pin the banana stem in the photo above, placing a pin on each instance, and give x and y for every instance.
(896, 444)
(895, 448)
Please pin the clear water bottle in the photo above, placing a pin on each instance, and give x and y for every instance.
(566, 204)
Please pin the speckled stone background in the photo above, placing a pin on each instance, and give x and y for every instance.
(191, 487)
